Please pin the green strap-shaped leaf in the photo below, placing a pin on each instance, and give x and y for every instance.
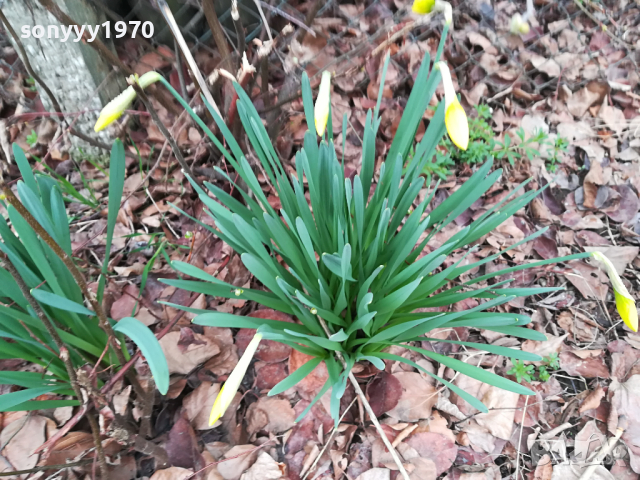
(9, 400)
(478, 373)
(148, 344)
(62, 303)
(295, 377)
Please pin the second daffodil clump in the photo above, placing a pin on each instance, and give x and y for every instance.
(625, 303)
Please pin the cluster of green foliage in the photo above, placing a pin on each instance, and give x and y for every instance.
(351, 264)
(483, 144)
(527, 373)
(22, 333)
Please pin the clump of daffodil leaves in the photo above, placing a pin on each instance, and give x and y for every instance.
(357, 265)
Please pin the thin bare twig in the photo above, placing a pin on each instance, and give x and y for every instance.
(168, 16)
(156, 119)
(368, 408)
(237, 23)
(210, 14)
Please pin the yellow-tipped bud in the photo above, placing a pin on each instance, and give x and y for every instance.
(116, 107)
(455, 118)
(231, 386)
(322, 103)
(424, 7)
(519, 26)
(625, 303)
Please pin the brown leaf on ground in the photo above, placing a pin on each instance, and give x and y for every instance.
(553, 344)
(502, 410)
(592, 94)
(268, 375)
(628, 207)
(20, 438)
(268, 351)
(589, 280)
(182, 446)
(417, 399)
(589, 364)
(265, 468)
(195, 354)
(233, 468)
(171, 473)
(592, 401)
(441, 450)
(544, 469)
(271, 414)
(198, 404)
(383, 393)
(314, 381)
(375, 474)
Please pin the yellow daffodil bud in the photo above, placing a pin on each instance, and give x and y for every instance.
(116, 107)
(455, 118)
(231, 386)
(423, 7)
(625, 303)
(519, 26)
(322, 103)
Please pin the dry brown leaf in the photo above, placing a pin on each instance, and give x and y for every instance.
(584, 366)
(185, 362)
(592, 94)
(375, 474)
(272, 414)
(197, 405)
(441, 450)
(21, 438)
(592, 401)
(417, 399)
(502, 410)
(265, 468)
(233, 468)
(171, 473)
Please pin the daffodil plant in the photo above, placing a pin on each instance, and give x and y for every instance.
(358, 265)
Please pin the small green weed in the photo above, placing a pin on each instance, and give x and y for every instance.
(522, 371)
(32, 138)
(528, 372)
(482, 144)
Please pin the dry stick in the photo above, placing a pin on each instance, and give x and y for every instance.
(329, 440)
(106, 53)
(237, 23)
(44, 468)
(311, 15)
(168, 16)
(218, 35)
(368, 408)
(156, 119)
(64, 356)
